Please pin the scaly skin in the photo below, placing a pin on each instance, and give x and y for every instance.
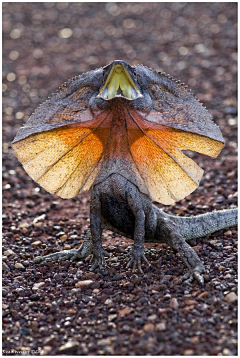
(117, 205)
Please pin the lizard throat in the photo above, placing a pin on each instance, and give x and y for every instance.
(119, 84)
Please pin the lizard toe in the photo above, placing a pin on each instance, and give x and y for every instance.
(137, 256)
(99, 259)
(189, 277)
(199, 278)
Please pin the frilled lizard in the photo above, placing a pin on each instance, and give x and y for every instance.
(121, 131)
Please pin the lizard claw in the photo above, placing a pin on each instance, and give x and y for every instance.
(195, 274)
(137, 255)
(199, 278)
(98, 259)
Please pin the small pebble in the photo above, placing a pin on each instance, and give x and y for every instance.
(84, 284)
(18, 265)
(56, 227)
(162, 310)
(231, 297)
(126, 328)
(71, 311)
(61, 233)
(69, 347)
(161, 326)
(221, 268)
(4, 292)
(37, 243)
(194, 340)
(8, 252)
(104, 341)
(5, 267)
(191, 302)
(152, 318)
(125, 311)
(227, 352)
(46, 350)
(112, 317)
(96, 291)
(34, 297)
(203, 295)
(174, 303)
(36, 286)
(187, 309)
(188, 352)
(63, 237)
(148, 327)
(67, 247)
(39, 218)
(38, 224)
(23, 225)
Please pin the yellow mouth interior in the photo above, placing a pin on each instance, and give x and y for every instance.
(119, 84)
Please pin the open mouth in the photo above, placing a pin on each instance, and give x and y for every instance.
(119, 84)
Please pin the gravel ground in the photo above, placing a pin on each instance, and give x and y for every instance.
(62, 308)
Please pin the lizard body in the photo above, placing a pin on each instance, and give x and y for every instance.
(121, 131)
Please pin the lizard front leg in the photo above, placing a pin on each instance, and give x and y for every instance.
(96, 231)
(137, 252)
(173, 238)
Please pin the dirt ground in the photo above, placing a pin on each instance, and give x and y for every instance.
(47, 309)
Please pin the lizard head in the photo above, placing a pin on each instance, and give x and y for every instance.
(119, 81)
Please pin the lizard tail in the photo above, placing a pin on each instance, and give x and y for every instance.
(202, 225)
